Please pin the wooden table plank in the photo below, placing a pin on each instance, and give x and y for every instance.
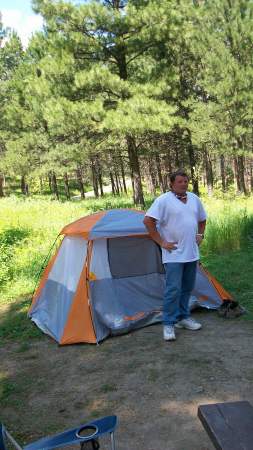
(229, 425)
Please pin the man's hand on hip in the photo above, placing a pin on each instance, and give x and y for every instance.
(199, 238)
(169, 245)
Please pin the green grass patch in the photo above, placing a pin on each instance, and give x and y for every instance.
(108, 388)
(14, 323)
(11, 391)
(229, 225)
(153, 375)
(7, 388)
(24, 347)
(234, 271)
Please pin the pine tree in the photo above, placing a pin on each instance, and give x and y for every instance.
(223, 40)
(103, 44)
(11, 54)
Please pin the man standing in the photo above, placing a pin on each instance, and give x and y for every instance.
(176, 221)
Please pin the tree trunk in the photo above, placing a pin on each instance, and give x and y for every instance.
(241, 174)
(112, 184)
(159, 172)
(123, 173)
(116, 182)
(151, 177)
(138, 197)
(209, 173)
(117, 176)
(80, 182)
(168, 170)
(194, 177)
(222, 173)
(66, 185)
(100, 182)
(1, 185)
(236, 176)
(132, 180)
(248, 174)
(55, 186)
(50, 182)
(94, 178)
(99, 175)
(24, 186)
(120, 184)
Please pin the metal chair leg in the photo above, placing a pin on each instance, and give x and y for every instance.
(12, 440)
(112, 441)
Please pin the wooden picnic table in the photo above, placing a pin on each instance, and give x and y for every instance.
(229, 425)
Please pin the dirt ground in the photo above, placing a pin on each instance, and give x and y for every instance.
(152, 386)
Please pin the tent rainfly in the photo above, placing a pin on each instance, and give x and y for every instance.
(107, 278)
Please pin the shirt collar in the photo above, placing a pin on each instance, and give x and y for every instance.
(181, 197)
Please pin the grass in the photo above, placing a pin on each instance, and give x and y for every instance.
(108, 388)
(28, 228)
(234, 271)
(229, 226)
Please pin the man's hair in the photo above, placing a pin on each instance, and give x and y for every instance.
(180, 173)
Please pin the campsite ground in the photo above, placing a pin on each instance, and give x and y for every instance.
(154, 387)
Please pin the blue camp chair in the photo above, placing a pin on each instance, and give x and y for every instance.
(84, 434)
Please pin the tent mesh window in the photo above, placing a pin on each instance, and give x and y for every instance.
(134, 256)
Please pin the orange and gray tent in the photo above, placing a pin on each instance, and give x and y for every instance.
(107, 278)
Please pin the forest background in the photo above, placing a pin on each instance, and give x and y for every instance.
(116, 89)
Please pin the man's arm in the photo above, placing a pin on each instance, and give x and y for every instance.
(150, 224)
(201, 230)
(201, 227)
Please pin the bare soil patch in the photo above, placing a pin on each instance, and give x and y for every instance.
(152, 386)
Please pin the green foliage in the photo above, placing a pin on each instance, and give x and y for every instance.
(228, 231)
(11, 54)
(176, 77)
(221, 39)
(84, 81)
(10, 239)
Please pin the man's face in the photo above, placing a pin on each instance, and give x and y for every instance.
(180, 184)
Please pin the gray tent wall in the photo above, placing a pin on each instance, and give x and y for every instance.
(128, 286)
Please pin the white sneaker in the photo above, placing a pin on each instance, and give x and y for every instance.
(189, 324)
(169, 333)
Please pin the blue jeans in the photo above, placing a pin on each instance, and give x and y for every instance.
(180, 280)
